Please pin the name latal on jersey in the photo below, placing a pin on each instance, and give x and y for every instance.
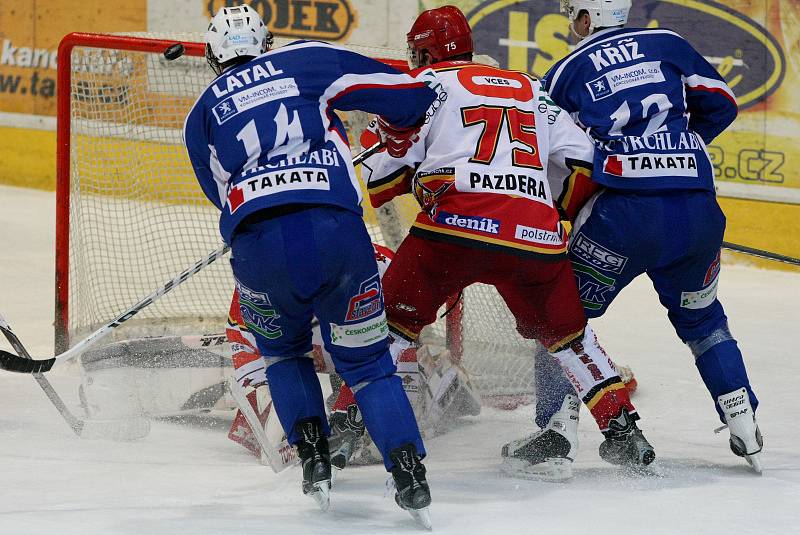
(239, 79)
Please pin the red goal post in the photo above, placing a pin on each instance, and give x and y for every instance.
(130, 215)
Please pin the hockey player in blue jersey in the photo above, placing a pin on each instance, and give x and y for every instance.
(270, 152)
(652, 103)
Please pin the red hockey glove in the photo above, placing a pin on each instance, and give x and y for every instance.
(397, 139)
(370, 136)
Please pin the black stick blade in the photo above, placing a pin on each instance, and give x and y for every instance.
(13, 363)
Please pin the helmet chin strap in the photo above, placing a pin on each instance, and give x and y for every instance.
(578, 36)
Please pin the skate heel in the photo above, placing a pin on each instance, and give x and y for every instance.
(316, 461)
(746, 440)
(321, 493)
(411, 487)
(625, 444)
(347, 429)
(547, 454)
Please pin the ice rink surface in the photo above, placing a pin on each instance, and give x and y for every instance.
(187, 478)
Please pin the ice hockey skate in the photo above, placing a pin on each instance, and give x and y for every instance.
(625, 444)
(347, 429)
(746, 440)
(546, 455)
(412, 492)
(316, 461)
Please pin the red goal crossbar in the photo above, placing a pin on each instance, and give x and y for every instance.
(63, 149)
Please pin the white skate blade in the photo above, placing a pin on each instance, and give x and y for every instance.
(322, 494)
(754, 460)
(553, 469)
(422, 517)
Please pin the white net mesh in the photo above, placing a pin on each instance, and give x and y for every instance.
(138, 217)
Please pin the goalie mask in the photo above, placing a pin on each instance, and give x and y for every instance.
(442, 32)
(235, 32)
(604, 13)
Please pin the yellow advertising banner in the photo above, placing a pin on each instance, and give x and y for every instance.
(328, 20)
(30, 31)
(752, 44)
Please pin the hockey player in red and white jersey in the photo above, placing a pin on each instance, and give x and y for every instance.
(256, 427)
(492, 168)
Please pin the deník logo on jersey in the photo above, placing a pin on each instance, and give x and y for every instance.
(530, 36)
(367, 302)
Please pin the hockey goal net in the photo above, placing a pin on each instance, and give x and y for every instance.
(130, 214)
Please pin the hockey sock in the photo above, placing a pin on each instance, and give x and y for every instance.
(296, 394)
(408, 370)
(723, 371)
(388, 416)
(552, 386)
(597, 383)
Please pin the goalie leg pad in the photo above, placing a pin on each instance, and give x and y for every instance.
(447, 392)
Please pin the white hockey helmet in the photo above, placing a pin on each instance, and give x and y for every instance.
(604, 13)
(235, 32)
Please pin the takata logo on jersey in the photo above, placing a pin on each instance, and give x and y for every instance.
(331, 20)
(531, 35)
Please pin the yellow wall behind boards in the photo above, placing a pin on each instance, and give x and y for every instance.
(28, 158)
(763, 225)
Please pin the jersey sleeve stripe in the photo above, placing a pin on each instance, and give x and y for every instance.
(354, 82)
(696, 82)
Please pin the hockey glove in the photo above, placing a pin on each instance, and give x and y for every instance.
(397, 139)
(370, 136)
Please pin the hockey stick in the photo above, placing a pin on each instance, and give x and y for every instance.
(366, 153)
(14, 363)
(131, 429)
(761, 253)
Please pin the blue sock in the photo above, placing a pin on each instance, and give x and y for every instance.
(296, 394)
(552, 386)
(722, 369)
(388, 416)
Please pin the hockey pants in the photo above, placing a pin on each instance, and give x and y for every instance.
(675, 239)
(305, 261)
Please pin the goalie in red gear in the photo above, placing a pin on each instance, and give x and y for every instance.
(494, 167)
(425, 389)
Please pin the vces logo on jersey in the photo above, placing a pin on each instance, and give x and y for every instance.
(530, 36)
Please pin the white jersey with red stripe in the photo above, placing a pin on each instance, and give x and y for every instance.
(492, 164)
(650, 101)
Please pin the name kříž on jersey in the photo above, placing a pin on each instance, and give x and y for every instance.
(304, 172)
